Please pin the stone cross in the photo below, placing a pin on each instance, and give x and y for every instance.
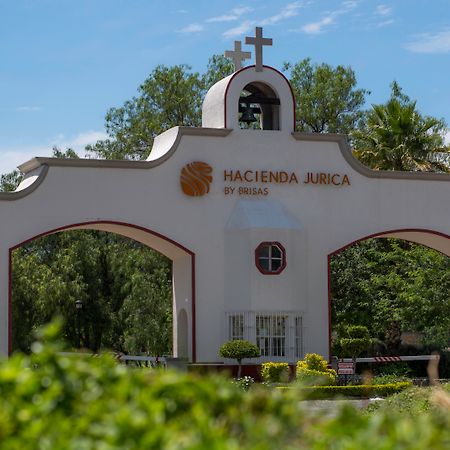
(237, 55)
(258, 41)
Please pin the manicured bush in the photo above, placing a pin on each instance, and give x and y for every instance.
(239, 349)
(313, 369)
(272, 372)
(355, 340)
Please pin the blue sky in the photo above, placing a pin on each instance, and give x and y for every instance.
(63, 63)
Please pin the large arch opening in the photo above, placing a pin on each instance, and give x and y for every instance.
(178, 263)
(396, 283)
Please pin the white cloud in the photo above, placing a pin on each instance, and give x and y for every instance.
(385, 23)
(241, 29)
(235, 14)
(288, 11)
(192, 28)
(28, 108)
(12, 157)
(317, 27)
(242, 10)
(224, 18)
(89, 137)
(383, 10)
(431, 43)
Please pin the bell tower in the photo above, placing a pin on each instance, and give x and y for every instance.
(253, 98)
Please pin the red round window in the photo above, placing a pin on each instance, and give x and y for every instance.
(270, 258)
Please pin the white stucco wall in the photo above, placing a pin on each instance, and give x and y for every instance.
(212, 238)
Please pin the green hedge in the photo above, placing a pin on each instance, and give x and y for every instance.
(363, 390)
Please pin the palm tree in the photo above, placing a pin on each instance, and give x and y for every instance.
(396, 136)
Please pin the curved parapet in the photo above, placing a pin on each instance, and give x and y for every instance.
(166, 143)
(346, 152)
(31, 181)
(35, 170)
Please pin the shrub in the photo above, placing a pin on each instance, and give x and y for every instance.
(275, 372)
(313, 369)
(388, 379)
(244, 383)
(398, 369)
(355, 340)
(361, 390)
(415, 401)
(239, 349)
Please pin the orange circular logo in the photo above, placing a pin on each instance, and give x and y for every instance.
(195, 178)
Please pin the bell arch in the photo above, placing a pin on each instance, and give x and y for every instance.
(183, 279)
(263, 100)
(430, 238)
(220, 107)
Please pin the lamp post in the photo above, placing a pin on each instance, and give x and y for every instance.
(79, 307)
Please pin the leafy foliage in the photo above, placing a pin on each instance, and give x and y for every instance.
(244, 383)
(49, 401)
(239, 349)
(169, 97)
(10, 181)
(354, 340)
(389, 286)
(395, 136)
(313, 369)
(327, 98)
(272, 372)
(359, 390)
(412, 401)
(124, 287)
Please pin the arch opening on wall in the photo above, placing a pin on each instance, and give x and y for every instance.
(183, 277)
(411, 254)
(259, 107)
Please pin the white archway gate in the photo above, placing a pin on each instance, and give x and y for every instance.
(248, 217)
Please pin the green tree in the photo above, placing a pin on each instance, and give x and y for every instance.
(239, 349)
(147, 306)
(218, 68)
(170, 96)
(327, 98)
(10, 181)
(390, 286)
(395, 136)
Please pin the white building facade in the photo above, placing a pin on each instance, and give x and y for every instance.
(249, 218)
